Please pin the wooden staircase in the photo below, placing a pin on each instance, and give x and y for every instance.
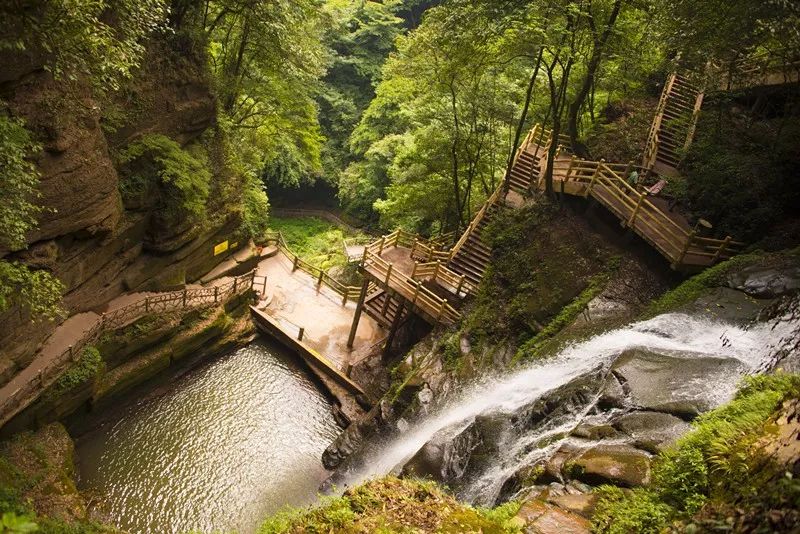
(472, 258)
(381, 307)
(673, 125)
(524, 172)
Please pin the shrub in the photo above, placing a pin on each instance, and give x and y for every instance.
(38, 291)
(255, 208)
(157, 166)
(89, 366)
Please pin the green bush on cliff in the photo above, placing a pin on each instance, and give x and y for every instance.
(155, 164)
(394, 505)
(37, 291)
(88, 367)
(715, 464)
(255, 208)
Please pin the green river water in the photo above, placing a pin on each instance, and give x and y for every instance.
(216, 449)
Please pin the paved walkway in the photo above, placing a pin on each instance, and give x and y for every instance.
(293, 300)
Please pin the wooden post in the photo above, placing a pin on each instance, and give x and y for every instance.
(569, 169)
(71, 356)
(436, 270)
(460, 285)
(388, 274)
(414, 270)
(627, 170)
(184, 298)
(395, 325)
(686, 247)
(416, 292)
(216, 293)
(636, 210)
(386, 299)
(300, 333)
(380, 249)
(294, 263)
(146, 304)
(235, 283)
(441, 309)
(319, 279)
(594, 177)
(721, 249)
(357, 315)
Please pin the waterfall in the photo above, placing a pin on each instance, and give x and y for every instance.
(674, 334)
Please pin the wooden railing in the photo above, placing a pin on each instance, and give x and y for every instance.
(651, 148)
(437, 271)
(745, 68)
(605, 183)
(413, 291)
(323, 278)
(108, 322)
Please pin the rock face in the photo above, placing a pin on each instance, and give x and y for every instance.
(766, 282)
(616, 464)
(85, 236)
(684, 386)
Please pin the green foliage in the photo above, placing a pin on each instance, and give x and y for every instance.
(570, 312)
(158, 165)
(19, 182)
(742, 170)
(694, 287)
(14, 524)
(394, 505)
(714, 463)
(89, 366)
(38, 292)
(76, 37)
(315, 240)
(255, 208)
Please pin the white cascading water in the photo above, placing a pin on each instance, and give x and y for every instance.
(674, 334)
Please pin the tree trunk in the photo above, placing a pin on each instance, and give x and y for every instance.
(523, 117)
(588, 80)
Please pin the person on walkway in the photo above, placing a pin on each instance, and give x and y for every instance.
(633, 178)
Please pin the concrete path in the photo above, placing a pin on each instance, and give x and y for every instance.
(295, 302)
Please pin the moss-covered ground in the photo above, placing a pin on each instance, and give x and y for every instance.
(395, 505)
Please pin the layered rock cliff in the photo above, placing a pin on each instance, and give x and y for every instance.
(96, 244)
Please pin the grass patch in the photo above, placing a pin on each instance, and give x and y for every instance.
(315, 240)
(394, 505)
(717, 465)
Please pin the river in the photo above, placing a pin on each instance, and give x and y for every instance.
(217, 449)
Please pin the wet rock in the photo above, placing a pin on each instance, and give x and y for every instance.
(521, 479)
(594, 432)
(622, 465)
(542, 518)
(445, 456)
(581, 504)
(554, 465)
(651, 431)
(684, 387)
(766, 282)
(612, 395)
(374, 423)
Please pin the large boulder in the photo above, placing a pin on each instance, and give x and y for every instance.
(445, 456)
(651, 431)
(622, 465)
(766, 282)
(685, 386)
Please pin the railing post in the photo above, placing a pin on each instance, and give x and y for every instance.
(460, 285)
(71, 355)
(364, 256)
(235, 283)
(216, 293)
(380, 249)
(319, 279)
(147, 304)
(436, 270)
(414, 270)
(635, 210)
(689, 240)
(569, 169)
(294, 263)
(388, 274)
(300, 333)
(627, 170)
(184, 298)
(441, 309)
(594, 177)
(416, 292)
(721, 249)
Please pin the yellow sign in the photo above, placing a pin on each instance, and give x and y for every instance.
(222, 247)
(234, 244)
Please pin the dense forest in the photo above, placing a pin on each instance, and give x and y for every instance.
(496, 184)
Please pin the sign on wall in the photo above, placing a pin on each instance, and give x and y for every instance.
(220, 248)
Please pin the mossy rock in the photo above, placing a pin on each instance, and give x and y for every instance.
(616, 464)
